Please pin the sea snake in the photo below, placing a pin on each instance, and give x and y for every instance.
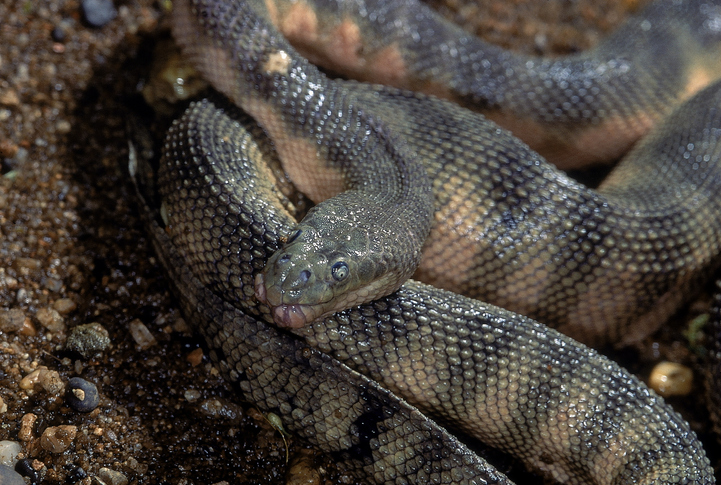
(515, 384)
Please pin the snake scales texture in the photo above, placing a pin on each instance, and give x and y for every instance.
(560, 407)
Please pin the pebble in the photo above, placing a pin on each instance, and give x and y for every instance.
(217, 408)
(98, 12)
(57, 439)
(111, 477)
(75, 475)
(88, 340)
(12, 320)
(141, 334)
(195, 358)
(52, 284)
(671, 379)
(64, 306)
(9, 97)
(58, 34)
(301, 470)
(49, 380)
(8, 149)
(22, 297)
(32, 469)
(82, 395)
(27, 422)
(51, 320)
(3, 406)
(180, 325)
(8, 476)
(9, 451)
(191, 395)
(63, 127)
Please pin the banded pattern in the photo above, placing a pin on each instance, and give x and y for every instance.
(625, 251)
(518, 385)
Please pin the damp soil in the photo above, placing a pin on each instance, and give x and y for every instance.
(73, 252)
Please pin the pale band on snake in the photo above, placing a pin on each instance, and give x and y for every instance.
(506, 227)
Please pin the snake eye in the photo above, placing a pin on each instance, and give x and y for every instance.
(339, 270)
(294, 236)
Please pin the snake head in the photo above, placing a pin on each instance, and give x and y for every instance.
(313, 276)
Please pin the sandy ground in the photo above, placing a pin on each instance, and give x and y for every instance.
(73, 252)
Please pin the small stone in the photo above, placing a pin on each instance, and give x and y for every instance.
(82, 395)
(26, 427)
(671, 379)
(51, 319)
(75, 475)
(141, 334)
(28, 329)
(191, 395)
(9, 97)
(11, 283)
(64, 306)
(29, 381)
(111, 477)
(49, 380)
(9, 451)
(88, 339)
(27, 265)
(3, 406)
(32, 469)
(98, 12)
(53, 284)
(63, 127)
(57, 439)
(22, 297)
(181, 326)
(8, 476)
(221, 409)
(52, 383)
(195, 358)
(12, 320)
(8, 149)
(58, 34)
(301, 470)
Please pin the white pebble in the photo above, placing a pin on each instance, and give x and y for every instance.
(9, 451)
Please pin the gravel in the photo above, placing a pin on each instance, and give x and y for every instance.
(98, 12)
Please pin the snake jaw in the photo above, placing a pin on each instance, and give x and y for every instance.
(284, 315)
(291, 316)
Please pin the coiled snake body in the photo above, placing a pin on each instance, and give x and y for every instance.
(588, 262)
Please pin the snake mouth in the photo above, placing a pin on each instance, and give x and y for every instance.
(291, 316)
(284, 315)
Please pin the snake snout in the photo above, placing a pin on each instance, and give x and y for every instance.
(286, 280)
(288, 316)
(292, 281)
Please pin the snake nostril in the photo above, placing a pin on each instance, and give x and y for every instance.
(304, 276)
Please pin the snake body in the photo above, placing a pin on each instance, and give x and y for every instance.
(603, 266)
(560, 407)
(339, 156)
(575, 110)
